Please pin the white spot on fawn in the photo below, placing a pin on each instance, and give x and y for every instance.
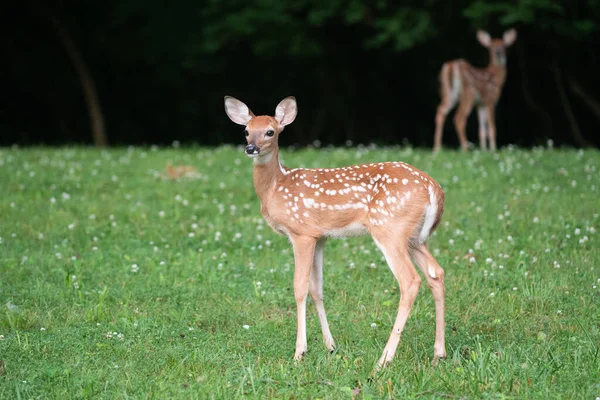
(431, 271)
(430, 215)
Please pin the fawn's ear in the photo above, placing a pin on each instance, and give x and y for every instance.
(484, 38)
(509, 37)
(286, 111)
(237, 111)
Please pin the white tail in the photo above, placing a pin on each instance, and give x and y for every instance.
(398, 205)
(460, 81)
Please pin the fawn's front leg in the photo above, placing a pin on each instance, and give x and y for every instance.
(315, 289)
(304, 249)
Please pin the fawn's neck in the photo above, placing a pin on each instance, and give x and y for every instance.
(267, 171)
(498, 71)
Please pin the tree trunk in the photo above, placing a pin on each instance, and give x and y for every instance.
(577, 136)
(543, 115)
(587, 98)
(85, 78)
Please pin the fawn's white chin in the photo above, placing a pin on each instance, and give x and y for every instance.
(261, 158)
(252, 155)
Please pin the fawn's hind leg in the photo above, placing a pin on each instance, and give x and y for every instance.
(435, 280)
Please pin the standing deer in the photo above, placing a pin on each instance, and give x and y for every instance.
(461, 82)
(395, 203)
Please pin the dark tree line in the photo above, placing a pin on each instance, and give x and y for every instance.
(133, 71)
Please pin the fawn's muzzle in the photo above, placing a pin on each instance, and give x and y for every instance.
(252, 150)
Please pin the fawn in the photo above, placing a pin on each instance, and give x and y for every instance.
(461, 82)
(395, 203)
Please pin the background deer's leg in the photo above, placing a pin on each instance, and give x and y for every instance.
(440, 119)
(396, 254)
(460, 119)
(315, 289)
(445, 106)
(492, 127)
(482, 116)
(435, 280)
(304, 248)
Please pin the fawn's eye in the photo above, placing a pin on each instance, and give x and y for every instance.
(270, 133)
(246, 133)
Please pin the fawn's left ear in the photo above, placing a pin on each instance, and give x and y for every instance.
(237, 111)
(509, 37)
(286, 111)
(484, 38)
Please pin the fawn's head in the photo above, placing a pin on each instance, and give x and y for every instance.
(497, 47)
(261, 131)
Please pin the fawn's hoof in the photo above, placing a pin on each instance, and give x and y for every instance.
(298, 356)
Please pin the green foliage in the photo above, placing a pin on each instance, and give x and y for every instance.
(115, 283)
(403, 29)
(565, 19)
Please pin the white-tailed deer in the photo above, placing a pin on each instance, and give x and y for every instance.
(461, 82)
(398, 205)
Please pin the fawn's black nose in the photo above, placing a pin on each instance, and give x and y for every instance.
(252, 149)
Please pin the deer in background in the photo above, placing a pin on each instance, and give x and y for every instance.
(395, 203)
(461, 82)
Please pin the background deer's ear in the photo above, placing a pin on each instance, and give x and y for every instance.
(237, 111)
(484, 38)
(509, 37)
(286, 111)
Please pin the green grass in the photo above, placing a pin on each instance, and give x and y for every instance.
(523, 317)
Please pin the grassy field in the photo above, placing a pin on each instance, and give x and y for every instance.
(115, 283)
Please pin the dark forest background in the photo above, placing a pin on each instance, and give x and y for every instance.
(151, 72)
